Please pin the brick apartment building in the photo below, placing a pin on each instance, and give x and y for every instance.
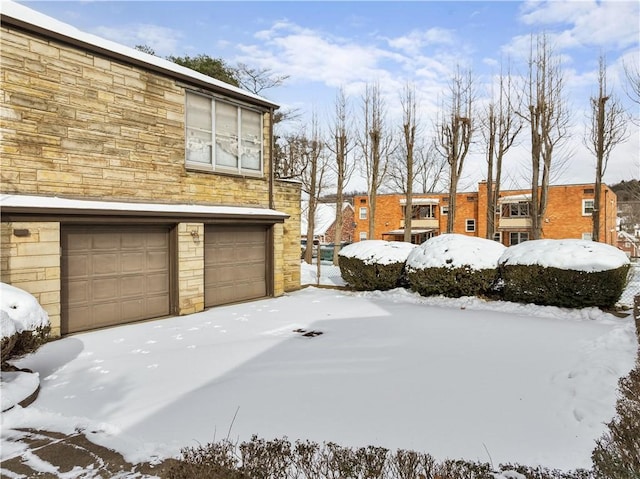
(568, 215)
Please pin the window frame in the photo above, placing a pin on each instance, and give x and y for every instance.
(240, 136)
(470, 225)
(363, 212)
(444, 210)
(520, 235)
(362, 236)
(584, 206)
(416, 213)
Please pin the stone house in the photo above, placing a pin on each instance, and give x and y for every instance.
(568, 215)
(133, 188)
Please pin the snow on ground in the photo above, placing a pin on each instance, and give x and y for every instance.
(20, 311)
(452, 377)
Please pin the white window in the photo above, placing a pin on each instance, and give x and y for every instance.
(497, 236)
(363, 235)
(587, 207)
(587, 236)
(222, 136)
(470, 226)
(363, 212)
(444, 210)
(421, 212)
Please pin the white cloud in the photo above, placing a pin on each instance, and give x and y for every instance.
(606, 23)
(416, 40)
(163, 40)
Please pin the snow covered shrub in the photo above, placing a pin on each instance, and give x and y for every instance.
(568, 273)
(24, 324)
(617, 452)
(374, 264)
(454, 265)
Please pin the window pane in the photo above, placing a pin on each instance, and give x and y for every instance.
(198, 129)
(251, 140)
(226, 135)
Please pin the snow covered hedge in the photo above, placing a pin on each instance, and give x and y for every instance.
(374, 264)
(454, 265)
(24, 325)
(568, 273)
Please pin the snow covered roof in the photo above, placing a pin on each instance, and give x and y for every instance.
(627, 237)
(515, 198)
(24, 17)
(401, 231)
(325, 216)
(53, 204)
(421, 201)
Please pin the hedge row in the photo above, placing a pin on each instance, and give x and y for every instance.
(280, 459)
(505, 280)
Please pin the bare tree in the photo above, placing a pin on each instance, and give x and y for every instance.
(632, 88)
(500, 127)
(312, 178)
(256, 80)
(342, 167)
(606, 129)
(454, 131)
(409, 129)
(376, 146)
(548, 118)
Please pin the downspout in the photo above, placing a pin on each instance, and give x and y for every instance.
(271, 161)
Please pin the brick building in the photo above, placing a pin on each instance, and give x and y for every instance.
(568, 215)
(325, 223)
(132, 187)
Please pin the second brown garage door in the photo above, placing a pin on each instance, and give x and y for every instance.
(235, 263)
(113, 275)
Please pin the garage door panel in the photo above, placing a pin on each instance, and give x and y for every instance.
(104, 264)
(235, 263)
(157, 260)
(78, 266)
(104, 289)
(114, 275)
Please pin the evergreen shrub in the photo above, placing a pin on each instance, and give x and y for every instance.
(374, 264)
(442, 265)
(567, 273)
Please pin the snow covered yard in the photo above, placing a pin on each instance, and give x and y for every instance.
(458, 378)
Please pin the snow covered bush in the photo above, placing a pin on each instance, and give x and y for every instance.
(374, 264)
(568, 273)
(454, 265)
(24, 324)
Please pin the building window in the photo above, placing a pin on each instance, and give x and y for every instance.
(222, 136)
(518, 237)
(516, 210)
(363, 235)
(497, 236)
(589, 191)
(363, 213)
(587, 207)
(470, 226)
(444, 210)
(423, 212)
(587, 236)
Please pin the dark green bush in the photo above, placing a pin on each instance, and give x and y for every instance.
(451, 282)
(368, 277)
(560, 287)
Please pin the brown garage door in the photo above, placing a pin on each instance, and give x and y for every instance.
(235, 263)
(113, 275)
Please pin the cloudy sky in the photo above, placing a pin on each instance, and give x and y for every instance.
(325, 45)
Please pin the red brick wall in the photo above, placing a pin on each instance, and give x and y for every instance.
(563, 218)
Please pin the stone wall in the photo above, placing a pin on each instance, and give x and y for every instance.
(190, 268)
(32, 263)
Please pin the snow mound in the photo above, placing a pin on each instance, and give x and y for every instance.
(454, 251)
(22, 309)
(574, 254)
(378, 251)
